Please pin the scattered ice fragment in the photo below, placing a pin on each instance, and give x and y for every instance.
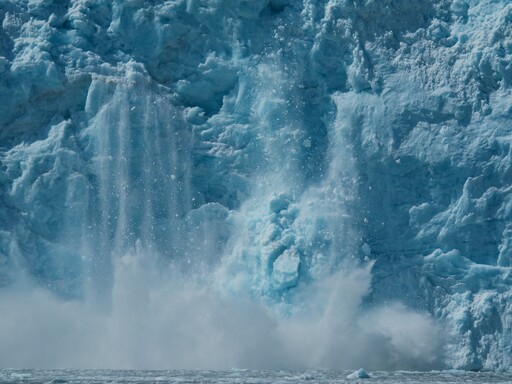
(306, 143)
(359, 374)
(306, 376)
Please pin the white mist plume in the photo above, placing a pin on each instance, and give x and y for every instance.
(164, 319)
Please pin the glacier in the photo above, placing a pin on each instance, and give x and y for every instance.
(292, 183)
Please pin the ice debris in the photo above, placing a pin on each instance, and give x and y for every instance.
(359, 374)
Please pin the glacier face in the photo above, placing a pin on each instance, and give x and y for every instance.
(266, 144)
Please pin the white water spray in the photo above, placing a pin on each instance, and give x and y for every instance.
(285, 291)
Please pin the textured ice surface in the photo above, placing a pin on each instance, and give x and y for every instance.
(271, 143)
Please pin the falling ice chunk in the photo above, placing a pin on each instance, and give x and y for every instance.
(286, 269)
(306, 143)
(279, 203)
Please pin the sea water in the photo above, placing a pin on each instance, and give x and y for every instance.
(243, 376)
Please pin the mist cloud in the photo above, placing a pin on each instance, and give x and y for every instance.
(160, 319)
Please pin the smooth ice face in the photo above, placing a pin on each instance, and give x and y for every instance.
(259, 148)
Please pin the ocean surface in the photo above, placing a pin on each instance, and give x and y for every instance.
(243, 376)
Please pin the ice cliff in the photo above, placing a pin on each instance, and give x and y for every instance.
(267, 142)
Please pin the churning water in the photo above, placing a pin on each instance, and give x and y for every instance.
(243, 376)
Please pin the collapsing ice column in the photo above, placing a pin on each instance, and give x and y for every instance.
(140, 148)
